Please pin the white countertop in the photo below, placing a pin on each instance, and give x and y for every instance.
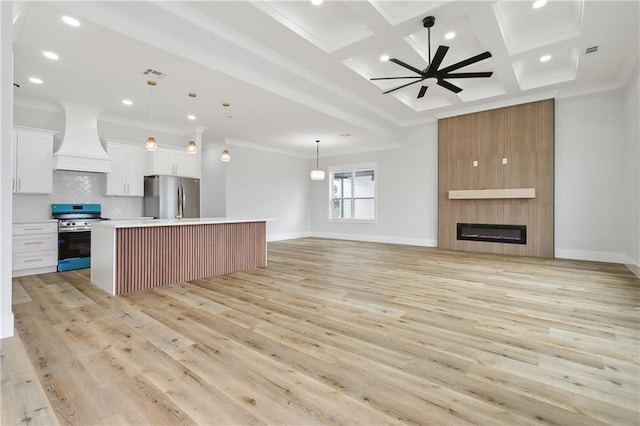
(23, 221)
(172, 222)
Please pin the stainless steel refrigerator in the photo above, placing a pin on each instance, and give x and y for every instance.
(166, 196)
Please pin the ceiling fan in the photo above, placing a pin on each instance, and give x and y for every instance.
(431, 74)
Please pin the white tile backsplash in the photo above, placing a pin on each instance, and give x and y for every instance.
(75, 188)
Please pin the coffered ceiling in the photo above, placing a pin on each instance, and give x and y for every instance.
(294, 72)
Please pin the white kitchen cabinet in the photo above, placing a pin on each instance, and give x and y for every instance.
(32, 161)
(171, 162)
(127, 169)
(35, 248)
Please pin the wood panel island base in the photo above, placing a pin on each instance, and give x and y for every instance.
(130, 256)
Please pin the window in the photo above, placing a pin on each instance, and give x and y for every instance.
(353, 193)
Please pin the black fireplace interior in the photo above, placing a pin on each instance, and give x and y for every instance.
(510, 234)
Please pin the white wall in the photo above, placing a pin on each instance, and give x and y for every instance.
(263, 184)
(632, 177)
(590, 163)
(407, 193)
(6, 126)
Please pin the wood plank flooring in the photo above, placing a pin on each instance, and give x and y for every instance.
(333, 332)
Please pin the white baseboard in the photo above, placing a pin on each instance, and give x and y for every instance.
(633, 266)
(291, 236)
(6, 330)
(377, 239)
(594, 256)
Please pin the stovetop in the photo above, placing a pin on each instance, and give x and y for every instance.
(76, 217)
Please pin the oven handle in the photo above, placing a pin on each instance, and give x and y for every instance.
(69, 231)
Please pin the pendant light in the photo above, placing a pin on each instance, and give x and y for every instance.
(192, 148)
(225, 156)
(317, 173)
(151, 144)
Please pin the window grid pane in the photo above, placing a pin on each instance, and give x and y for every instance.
(353, 194)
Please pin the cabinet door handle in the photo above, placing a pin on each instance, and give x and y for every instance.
(13, 184)
(33, 229)
(33, 242)
(33, 260)
(19, 184)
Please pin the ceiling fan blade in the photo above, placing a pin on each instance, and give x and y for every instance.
(468, 75)
(391, 78)
(461, 64)
(400, 87)
(447, 85)
(407, 66)
(422, 91)
(437, 60)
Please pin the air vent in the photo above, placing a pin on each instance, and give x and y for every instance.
(155, 73)
(592, 49)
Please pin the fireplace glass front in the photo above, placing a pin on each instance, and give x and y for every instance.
(510, 234)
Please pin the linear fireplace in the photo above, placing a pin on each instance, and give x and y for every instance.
(511, 234)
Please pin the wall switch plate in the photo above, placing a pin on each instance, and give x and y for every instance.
(504, 160)
(475, 163)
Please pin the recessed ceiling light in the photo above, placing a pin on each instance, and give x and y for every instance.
(316, 2)
(73, 22)
(345, 135)
(539, 3)
(449, 35)
(384, 58)
(50, 55)
(191, 117)
(35, 80)
(127, 102)
(545, 58)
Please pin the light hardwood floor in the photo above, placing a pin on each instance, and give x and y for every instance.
(333, 332)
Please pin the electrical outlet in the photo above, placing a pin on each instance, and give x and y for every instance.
(504, 160)
(475, 163)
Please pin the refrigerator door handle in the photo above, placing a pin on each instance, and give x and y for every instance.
(182, 197)
(180, 203)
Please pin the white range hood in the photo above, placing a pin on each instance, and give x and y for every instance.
(81, 149)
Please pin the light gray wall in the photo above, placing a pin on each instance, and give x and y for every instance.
(407, 193)
(263, 184)
(632, 178)
(589, 177)
(213, 187)
(6, 126)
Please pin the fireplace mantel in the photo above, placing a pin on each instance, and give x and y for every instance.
(479, 194)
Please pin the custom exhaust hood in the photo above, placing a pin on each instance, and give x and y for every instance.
(81, 149)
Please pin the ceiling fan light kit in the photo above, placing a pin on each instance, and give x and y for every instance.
(431, 74)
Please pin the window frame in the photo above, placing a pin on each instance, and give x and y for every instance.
(352, 168)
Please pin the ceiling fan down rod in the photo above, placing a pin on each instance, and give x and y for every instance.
(428, 22)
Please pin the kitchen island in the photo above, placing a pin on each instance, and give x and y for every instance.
(137, 255)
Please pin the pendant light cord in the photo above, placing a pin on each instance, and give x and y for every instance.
(317, 155)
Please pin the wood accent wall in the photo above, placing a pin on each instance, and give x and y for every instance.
(148, 257)
(524, 134)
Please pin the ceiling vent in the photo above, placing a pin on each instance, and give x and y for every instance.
(592, 49)
(155, 73)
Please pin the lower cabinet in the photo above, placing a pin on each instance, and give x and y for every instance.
(35, 248)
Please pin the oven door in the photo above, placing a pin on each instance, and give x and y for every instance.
(74, 250)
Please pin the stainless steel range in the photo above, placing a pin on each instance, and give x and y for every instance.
(74, 233)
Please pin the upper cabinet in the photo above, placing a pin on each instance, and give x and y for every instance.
(32, 161)
(127, 169)
(171, 162)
